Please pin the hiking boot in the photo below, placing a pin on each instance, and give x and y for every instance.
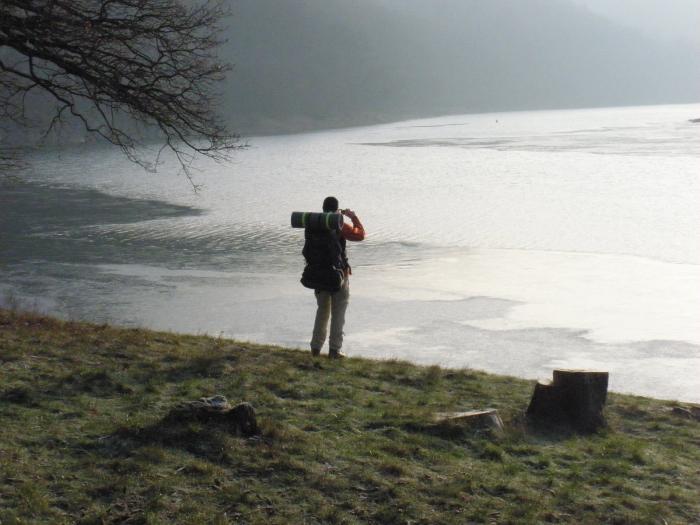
(315, 352)
(335, 354)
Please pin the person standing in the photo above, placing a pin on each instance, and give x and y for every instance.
(332, 305)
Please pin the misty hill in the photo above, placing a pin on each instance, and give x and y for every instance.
(308, 64)
(316, 63)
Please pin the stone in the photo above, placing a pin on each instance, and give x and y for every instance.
(688, 412)
(243, 414)
(486, 419)
(240, 419)
(216, 403)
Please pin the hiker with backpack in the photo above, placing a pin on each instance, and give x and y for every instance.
(327, 271)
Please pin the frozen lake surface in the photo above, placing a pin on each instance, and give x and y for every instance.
(508, 242)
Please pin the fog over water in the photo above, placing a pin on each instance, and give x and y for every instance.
(314, 64)
(329, 63)
(675, 21)
(511, 242)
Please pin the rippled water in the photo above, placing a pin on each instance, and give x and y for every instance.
(511, 242)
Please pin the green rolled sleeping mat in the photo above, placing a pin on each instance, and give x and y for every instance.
(317, 221)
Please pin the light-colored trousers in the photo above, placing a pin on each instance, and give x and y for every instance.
(331, 306)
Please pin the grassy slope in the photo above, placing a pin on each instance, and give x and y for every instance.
(82, 439)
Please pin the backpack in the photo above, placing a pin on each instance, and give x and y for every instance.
(326, 261)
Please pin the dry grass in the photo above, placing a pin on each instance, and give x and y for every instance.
(83, 439)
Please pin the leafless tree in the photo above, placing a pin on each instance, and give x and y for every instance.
(109, 63)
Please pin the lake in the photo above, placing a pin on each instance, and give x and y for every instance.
(509, 242)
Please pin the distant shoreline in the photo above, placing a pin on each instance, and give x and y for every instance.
(303, 124)
(247, 126)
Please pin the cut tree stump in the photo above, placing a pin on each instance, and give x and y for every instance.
(477, 419)
(574, 398)
(217, 410)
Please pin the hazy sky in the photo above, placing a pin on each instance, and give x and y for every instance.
(669, 19)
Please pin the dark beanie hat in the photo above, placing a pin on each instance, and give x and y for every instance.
(330, 204)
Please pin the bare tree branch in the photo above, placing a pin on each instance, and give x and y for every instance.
(110, 63)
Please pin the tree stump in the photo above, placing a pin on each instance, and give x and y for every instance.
(487, 419)
(217, 410)
(574, 398)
